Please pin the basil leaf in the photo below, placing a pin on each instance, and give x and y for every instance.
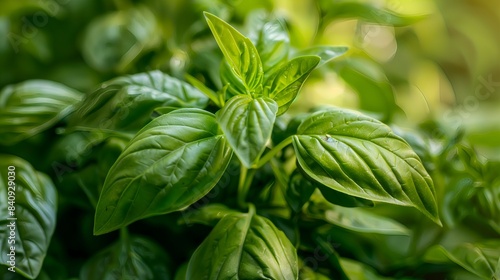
(134, 258)
(240, 53)
(31, 107)
(35, 202)
(271, 39)
(244, 246)
(126, 103)
(208, 215)
(234, 85)
(286, 83)
(326, 53)
(362, 157)
(299, 191)
(113, 41)
(368, 80)
(247, 124)
(481, 258)
(343, 199)
(172, 162)
(355, 219)
(367, 12)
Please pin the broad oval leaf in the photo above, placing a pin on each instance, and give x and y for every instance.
(247, 124)
(482, 259)
(240, 53)
(355, 219)
(287, 81)
(244, 246)
(172, 162)
(362, 157)
(31, 107)
(34, 213)
(126, 103)
(134, 258)
(208, 215)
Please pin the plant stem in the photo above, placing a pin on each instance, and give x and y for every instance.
(269, 155)
(246, 178)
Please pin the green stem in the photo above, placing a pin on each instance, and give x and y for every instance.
(246, 178)
(269, 155)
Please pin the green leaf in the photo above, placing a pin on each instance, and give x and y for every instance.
(34, 198)
(244, 246)
(113, 41)
(481, 258)
(355, 219)
(299, 191)
(126, 103)
(172, 162)
(326, 53)
(358, 270)
(368, 80)
(240, 53)
(362, 157)
(247, 124)
(343, 199)
(31, 107)
(288, 79)
(137, 258)
(367, 12)
(271, 39)
(208, 215)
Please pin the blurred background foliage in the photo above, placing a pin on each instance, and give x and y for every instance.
(432, 66)
(408, 61)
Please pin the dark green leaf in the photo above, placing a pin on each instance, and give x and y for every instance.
(244, 246)
(355, 219)
(126, 103)
(113, 41)
(137, 258)
(35, 213)
(362, 157)
(299, 191)
(172, 162)
(208, 215)
(343, 199)
(326, 53)
(287, 81)
(240, 54)
(247, 124)
(31, 107)
(481, 259)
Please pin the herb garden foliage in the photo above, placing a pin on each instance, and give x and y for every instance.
(153, 144)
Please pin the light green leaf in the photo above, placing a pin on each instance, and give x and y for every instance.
(326, 53)
(359, 271)
(35, 203)
(172, 162)
(271, 39)
(368, 12)
(244, 246)
(362, 157)
(481, 258)
(31, 107)
(287, 81)
(134, 258)
(126, 103)
(240, 53)
(355, 219)
(247, 124)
